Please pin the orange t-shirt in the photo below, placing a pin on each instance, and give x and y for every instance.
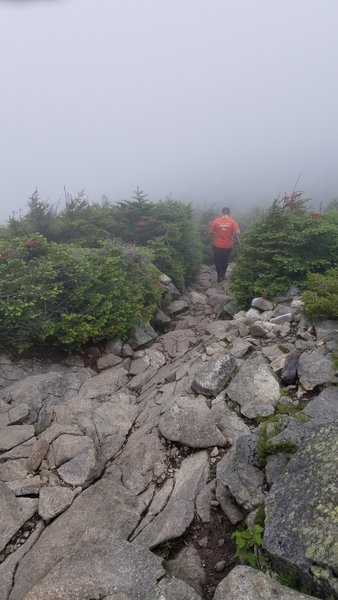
(224, 229)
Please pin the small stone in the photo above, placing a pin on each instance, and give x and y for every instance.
(203, 542)
(219, 566)
(214, 452)
(220, 543)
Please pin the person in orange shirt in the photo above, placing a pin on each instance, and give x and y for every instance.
(224, 230)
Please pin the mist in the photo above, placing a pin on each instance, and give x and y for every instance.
(223, 102)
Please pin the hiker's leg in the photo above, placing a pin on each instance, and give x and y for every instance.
(226, 257)
(218, 262)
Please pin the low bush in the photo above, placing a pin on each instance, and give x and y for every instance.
(67, 296)
(321, 297)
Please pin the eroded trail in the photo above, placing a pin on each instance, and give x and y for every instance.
(97, 470)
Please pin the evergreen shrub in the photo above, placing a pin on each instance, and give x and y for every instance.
(281, 248)
(321, 297)
(66, 296)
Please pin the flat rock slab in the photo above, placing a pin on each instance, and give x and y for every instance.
(106, 565)
(14, 435)
(104, 509)
(314, 368)
(255, 388)
(179, 512)
(301, 511)
(245, 583)
(37, 389)
(14, 512)
(189, 421)
(213, 377)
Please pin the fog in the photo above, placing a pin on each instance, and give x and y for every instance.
(222, 101)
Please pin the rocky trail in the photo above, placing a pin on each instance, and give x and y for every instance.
(127, 482)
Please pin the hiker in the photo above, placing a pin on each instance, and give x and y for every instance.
(225, 230)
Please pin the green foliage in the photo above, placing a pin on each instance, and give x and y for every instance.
(167, 549)
(66, 296)
(249, 547)
(321, 297)
(281, 248)
(166, 227)
(265, 445)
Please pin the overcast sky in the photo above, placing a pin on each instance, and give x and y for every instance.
(207, 100)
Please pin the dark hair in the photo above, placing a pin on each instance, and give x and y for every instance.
(226, 211)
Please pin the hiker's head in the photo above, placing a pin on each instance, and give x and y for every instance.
(225, 211)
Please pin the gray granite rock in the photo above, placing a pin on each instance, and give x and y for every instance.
(228, 421)
(323, 408)
(26, 487)
(14, 435)
(177, 307)
(301, 521)
(179, 512)
(172, 589)
(47, 388)
(53, 501)
(142, 460)
(14, 512)
(189, 421)
(262, 304)
(187, 566)
(161, 319)
(82, 469)
(255, 388)
(142, 335)
(101, 566)
(203, 501)
(281, 310)
(9, 565)
(114, 346)
(245, 583)
(107, 361)
(289, 370)
(105, 509)
(275, 465)
(314, 368)
(36, 455)
(238, 473)
(213, 377)
(66, 447)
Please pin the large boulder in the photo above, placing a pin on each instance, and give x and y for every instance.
(213, 377)
(190, 422)
(141, 335)
(239, 475)
(315, 368)
(255, 388)
(245, 583)
(301, 529)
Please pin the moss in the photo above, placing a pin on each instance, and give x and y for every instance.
(265, 446)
